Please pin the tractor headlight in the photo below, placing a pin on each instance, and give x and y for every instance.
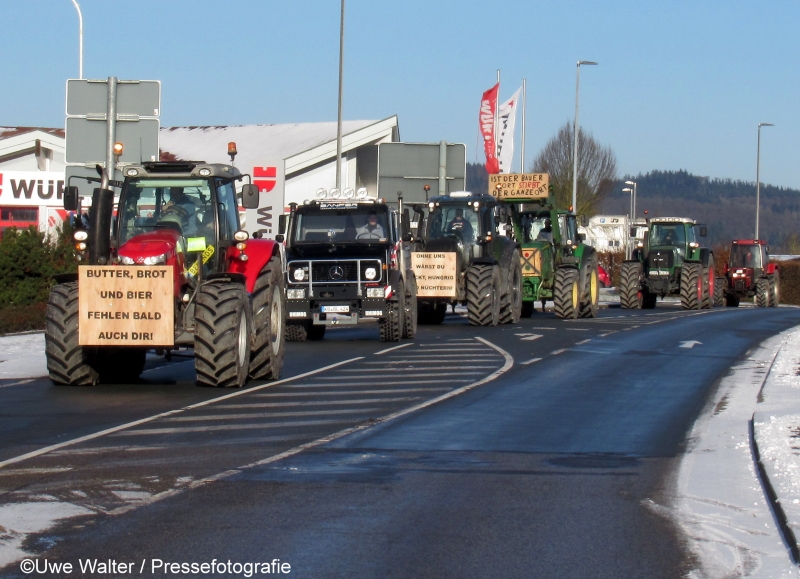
(156, 259)
(125, 260)
(370, 273)
(299, 274)
(80, 235)
(296, 294)
(131, 172)
(375, 292)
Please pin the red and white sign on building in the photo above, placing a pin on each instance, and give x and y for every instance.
(32, 198)
(269, 178)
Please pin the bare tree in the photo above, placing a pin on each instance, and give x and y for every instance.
(597, 169)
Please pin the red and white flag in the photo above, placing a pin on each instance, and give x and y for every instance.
(487, 128)
(505, 139)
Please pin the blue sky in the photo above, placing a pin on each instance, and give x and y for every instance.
(680, 84)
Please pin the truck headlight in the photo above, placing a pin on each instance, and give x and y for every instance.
(370, 273)
(125, 260)
(375, 292)
(156, 259)
(296, 294)
(299, 274)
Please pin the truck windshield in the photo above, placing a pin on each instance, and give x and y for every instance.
(456, 220)
(745, 256)
(180, 204)
(364, 224)
(667, 234)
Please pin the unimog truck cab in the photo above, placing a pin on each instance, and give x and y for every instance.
(348, 261)
(670, 262)
(462, 258)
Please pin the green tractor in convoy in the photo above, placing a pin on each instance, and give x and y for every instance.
(556, 264)
(670, 262)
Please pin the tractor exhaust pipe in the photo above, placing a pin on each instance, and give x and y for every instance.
(100, 216)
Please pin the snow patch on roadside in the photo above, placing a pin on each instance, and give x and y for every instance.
(27, 353)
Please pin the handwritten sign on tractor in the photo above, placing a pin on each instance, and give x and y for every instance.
(519, 185)
(126, 306)
(435, 273)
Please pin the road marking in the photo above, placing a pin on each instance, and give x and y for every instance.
(557, 352)
(390, 349)
(368, 382)
(407, 375)
(127, 425)
(207, 428)
(529, 337)
(531, 361)
(425, 360)
(577, 329)
(608, 333)
(407, 356)
(690, 344)
(320, 403)
(542, 328)
(248, 415)
(351, 392)
(438, 367)
(586, 341)
(20, 383)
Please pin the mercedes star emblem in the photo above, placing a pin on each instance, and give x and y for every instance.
(336, 272)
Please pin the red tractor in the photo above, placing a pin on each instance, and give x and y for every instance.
(749, 274)
(168, 266)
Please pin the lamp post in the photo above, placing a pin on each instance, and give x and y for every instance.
(80, 39)
(633, 199)
(758, 171)
(628, 247)
(339, 114)
(575, 135)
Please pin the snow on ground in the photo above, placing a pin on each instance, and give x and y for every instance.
(22, 356)
(719, 500)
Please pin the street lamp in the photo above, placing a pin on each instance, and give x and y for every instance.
(80, 39)
(628, 248)
(575, 135)
(758, 171)
(633, 201)
(629, 190)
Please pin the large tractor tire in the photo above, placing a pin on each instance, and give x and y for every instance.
(566, 293)
(709, 283)
(692, 290)
(391, 327)
(511, 304)
(67, 362)
(719, 292)
(222, 335)
(590, 288)
(527, 309)
(483, 295)
(410, 315)
(762, 292)
(631, 296)
(269, 307)
(431, 312)
(775, 290)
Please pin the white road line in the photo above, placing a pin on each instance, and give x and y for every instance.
(248, 415)
(424, 360)
(531, 361)
(439, 367)
(577, 329)
(319, 403)
(127, 425)
(407, 356)
(608, 333)
(442, 349)
(368, 382)
(406, 375)
(351, 392)
(557, 352)
(207, 428)
(586, 341)
(390, 349)
(20, 383)
(541, 328)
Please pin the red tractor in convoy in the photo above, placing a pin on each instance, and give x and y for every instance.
(164, 267)
(749, 274)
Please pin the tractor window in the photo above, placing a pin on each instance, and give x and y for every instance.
(667, 234)
(459, 221)
(150, 204)
(228, 210)
(363, 224)
(536, 226)
(745, 256)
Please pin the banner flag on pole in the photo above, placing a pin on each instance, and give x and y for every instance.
(505, 138)
(487, 128)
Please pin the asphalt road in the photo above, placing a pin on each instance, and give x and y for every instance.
(551, 469)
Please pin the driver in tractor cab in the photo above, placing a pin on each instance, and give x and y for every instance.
(179, 204)
(371, 229)
(546, 232)
(669, 237)
(749, 260)
(459, 224)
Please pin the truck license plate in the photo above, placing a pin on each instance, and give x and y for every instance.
(335, 309)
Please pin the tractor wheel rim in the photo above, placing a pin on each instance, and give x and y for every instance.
(275, 321)
(595, 297)
(575, 295)
(242, 341)
(699, 289)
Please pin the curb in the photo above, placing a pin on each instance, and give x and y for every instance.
(777, 510)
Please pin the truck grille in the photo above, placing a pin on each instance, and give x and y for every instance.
(334, 271)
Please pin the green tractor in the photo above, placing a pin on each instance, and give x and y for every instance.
(556, 264)
(670, 262)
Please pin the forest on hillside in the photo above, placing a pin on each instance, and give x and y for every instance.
(726, 206)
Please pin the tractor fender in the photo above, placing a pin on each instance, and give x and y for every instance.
(587, 253)
(771, 269)
(259, 252)
(705, 253)
(395, 279)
